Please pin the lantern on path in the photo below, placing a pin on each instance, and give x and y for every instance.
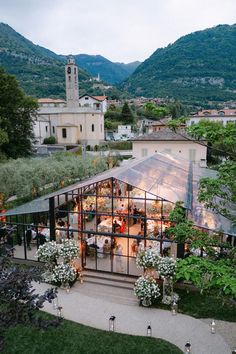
(112, 323)
(149, 331)
(188, 347)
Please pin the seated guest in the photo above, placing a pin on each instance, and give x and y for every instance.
(115, 226)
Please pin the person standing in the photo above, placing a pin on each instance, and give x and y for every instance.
(28, 235)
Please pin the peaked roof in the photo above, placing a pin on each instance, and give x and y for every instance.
(163, 175)
(97, 98)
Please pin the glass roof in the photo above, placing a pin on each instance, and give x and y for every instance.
(163, 175)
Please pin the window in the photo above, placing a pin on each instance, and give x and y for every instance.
(86, 98)
(81, 128)
(92, 127)
(144, 152)
(53, 130)
(69, 78)
(46, 128)
(74, 70)
(64, 132)
(101, 128)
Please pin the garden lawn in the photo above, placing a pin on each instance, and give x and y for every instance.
(73, 338)
(203, 306)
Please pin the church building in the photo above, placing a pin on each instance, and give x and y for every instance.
(70, 122)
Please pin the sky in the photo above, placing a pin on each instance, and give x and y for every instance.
(119, 30)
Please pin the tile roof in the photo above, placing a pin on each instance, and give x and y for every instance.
(215, 112)
(50, 100)
(164, 134)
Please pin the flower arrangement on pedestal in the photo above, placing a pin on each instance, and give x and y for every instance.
(52, 253)
(166, 268)
(48, 253)
(68, 250)
(147, 258)
(146, 289)
(64, 274)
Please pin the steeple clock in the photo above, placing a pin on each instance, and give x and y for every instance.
(72, 85)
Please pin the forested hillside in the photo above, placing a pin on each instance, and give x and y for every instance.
(197, 68)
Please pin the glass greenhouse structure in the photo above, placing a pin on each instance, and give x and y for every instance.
(116, 213)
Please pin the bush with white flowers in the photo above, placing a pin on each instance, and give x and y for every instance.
(146, 288)
(147, 258)
(68, 250)
(63, 273)
(48, 252)
(166, 267)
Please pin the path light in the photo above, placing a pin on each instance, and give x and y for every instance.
(149, 331)
(112, 323)
(55, 303)
(188, 347)
(67, 288)
(174, 308)
(213, 327)
(59, 312)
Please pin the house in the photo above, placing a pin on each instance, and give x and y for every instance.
(160, 124)
(124, 132)
(223, 115)
(71, 122)
(94, 102)
(166, 140)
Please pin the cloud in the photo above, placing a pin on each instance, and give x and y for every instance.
(124, 30)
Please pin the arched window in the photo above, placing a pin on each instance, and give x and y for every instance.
(81, 128)
(92, 127)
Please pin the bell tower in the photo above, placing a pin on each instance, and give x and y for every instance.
(72, 85)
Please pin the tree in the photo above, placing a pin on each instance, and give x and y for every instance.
(219, 193)
(127, 115)
(17, 113)
(176, 109)
(19, 303)
(153, 111)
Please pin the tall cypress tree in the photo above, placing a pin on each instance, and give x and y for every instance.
(126, 114)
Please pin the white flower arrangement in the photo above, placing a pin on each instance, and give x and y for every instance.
(48, 252)
(166, 267)
(68, 250)
(147, 258)
(146, 288)
(63, 273)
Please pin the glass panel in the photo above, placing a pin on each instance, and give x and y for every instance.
(104, 253)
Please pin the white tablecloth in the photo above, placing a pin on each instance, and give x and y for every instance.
(106, 225)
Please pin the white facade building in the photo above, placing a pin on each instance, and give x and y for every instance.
(68, 121)
(224, 116)
(124, 132)
(98, 103)
(167, 141)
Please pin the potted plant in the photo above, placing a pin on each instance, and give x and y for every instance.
(146, 289)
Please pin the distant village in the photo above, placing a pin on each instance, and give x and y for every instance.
(79, 121)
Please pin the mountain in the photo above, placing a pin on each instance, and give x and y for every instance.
(197, 68)
(39, 71)
(112, 73)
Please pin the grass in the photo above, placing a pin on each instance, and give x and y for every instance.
(203, 306)
(74, 338)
